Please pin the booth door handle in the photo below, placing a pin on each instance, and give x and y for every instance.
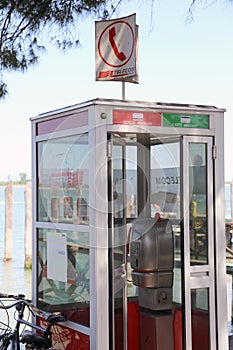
(119, 277)
(120, 271)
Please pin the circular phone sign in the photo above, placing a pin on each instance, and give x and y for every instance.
(116, 43)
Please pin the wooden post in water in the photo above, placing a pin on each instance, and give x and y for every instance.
(28, 227)
(9, 194)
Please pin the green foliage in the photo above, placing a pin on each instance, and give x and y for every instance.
(21, 181)
(23, 178)
(3, 89)
(25, 25)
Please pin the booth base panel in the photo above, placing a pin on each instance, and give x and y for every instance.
(67, 338)
(133, 326)
(146, 331)
(200, 330)
(156, 331)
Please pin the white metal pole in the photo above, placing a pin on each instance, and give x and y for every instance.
(28, 227)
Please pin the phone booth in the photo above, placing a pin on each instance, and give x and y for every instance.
(128, 225)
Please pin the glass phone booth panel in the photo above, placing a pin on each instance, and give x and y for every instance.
(63, 254)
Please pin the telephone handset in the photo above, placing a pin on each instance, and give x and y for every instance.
(120, 55)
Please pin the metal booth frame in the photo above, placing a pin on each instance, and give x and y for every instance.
(95, 118)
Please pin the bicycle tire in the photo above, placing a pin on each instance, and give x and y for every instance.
(4, 336)
(4, 341)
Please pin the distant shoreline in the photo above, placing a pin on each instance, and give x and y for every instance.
(14, 185)
(3, 184)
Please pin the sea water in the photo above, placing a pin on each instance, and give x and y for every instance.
(14, 279)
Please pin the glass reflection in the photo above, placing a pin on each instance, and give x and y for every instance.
(63, 190)
(200, 319)
(63, 273)
(198, 204)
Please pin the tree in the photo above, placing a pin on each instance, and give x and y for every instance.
(194, 3)
(23, 178)
(24, 25)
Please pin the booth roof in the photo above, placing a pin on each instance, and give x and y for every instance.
(132, 103)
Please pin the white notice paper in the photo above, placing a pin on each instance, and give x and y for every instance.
(56, 256)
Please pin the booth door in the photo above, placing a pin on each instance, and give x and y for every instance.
(198, 233)
(117, 244)
(175, 178)
(181, 189)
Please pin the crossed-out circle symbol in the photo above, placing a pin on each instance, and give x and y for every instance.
(116, 44)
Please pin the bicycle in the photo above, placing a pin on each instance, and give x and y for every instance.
(37, 337)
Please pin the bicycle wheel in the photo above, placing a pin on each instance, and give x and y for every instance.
(5, 315)
(4, 336)
(4, 342)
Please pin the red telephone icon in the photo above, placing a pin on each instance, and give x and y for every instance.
(112, 34)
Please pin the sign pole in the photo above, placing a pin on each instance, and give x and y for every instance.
(123, 90)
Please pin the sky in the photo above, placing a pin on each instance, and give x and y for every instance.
(179, 62)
